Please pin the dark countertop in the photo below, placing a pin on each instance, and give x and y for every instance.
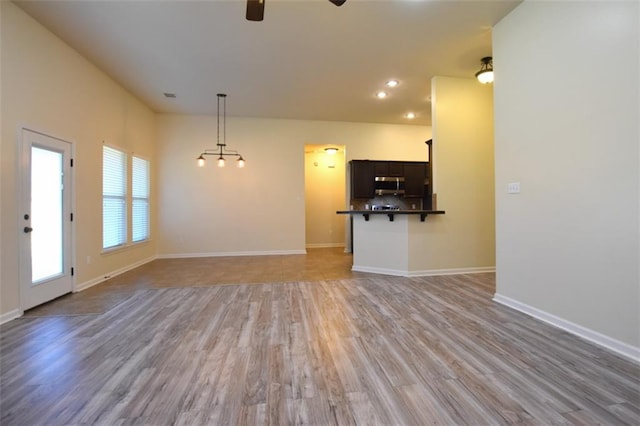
(391, 213)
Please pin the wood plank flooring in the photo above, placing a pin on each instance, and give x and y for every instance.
(359, 350)
(318, 264)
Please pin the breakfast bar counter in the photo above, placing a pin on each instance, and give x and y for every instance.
(393, 246)
(391, 213)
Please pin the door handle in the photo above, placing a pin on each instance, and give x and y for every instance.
(27, 229)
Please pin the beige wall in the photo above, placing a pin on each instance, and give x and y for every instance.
(261, 208)
(325, 184)
(49, 87)
(2, 207)
(567, 116)
(463, 238)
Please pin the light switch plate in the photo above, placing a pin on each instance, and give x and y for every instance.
(513, 188)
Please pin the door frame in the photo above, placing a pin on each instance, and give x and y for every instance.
(23, 177)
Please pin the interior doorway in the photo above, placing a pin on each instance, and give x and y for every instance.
(325, 193)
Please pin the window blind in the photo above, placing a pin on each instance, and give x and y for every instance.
(140, 199)
(114, 198)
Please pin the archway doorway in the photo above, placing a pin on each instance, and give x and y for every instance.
(325, 188)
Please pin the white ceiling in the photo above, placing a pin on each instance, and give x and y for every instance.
(308, 59)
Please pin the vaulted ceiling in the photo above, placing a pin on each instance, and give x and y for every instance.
(308, 59)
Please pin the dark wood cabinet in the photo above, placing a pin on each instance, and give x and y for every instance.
(414, 179)
(362, 179)
(427, 201)
(380, 168)
(388, 168)
(396, 168)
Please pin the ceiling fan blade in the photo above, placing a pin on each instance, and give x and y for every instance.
(255, 10)
(338, 2)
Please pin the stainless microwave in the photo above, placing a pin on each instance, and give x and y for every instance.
(389, 185)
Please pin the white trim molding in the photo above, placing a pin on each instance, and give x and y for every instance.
(230, 254)
(382, 271)
(423, 273)
(95, 281)
(11, 315)
(325, 245)
(621, 348)
(453, 271)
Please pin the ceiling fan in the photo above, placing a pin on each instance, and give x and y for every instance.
(255, 8)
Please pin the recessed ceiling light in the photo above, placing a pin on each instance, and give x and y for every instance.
(392, 83)
(410, 115)
(169, 95)
(381, 95)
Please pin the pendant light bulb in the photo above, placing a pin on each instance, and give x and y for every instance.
(220, 161)
(240, 162)
(201, 161)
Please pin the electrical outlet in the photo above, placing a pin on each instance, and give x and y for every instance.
(513, 188)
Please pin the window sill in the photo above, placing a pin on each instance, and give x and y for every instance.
(124, 247)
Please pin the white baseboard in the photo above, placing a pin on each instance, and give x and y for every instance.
(231, 254)
(452, 271)
(383, 271)
(325, 245)
(423, 273)
(621, 348)
(95, 281)
(11, 315)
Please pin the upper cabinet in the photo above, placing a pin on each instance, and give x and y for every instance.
(415, 175)
(388, 168)
(408, 179)
(362, 179)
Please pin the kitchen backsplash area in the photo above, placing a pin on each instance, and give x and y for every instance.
(388, 202)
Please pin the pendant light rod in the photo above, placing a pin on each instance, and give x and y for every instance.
(221, 151)
(223, 96)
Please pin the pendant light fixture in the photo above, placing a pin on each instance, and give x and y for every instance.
(485, 75)
(221, 151)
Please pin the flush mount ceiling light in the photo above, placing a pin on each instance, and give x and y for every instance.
(331, 150)
(381, 95)
(221, 151)
(485, 75)
(392, 83)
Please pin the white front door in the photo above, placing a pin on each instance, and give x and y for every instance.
(45, 219)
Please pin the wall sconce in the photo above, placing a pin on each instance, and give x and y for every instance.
(485, 75)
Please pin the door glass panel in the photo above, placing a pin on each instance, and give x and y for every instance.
(46, 214)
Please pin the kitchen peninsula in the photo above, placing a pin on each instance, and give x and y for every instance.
(391, 213)
(387, 241)
(389, 203)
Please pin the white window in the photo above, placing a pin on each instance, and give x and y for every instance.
(139, 199)
(114, 198)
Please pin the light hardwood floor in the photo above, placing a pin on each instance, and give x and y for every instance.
(301, 340)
